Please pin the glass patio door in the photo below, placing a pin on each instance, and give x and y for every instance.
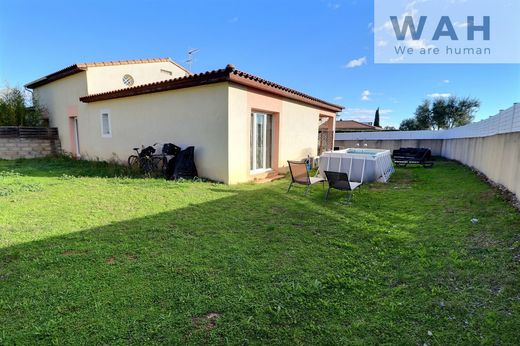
(261, 141)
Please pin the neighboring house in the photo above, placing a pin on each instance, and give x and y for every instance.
(243, 127)
(355, 126)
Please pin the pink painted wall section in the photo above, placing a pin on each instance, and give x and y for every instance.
(72, 137)
(72, 111)
(263, 102)
(331, 127)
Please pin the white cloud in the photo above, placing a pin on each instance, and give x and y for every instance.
(365, 114)
(333, 5)
(233, 20)
(446, 81)
(365, 111)
(337, 98)
(356, 62)
(418, 44)
(460, 24)
(435, 95)
(382, 43)
(400, 58)
(365, 95)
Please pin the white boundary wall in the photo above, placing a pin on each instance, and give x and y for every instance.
(491, 146)
(506, 121)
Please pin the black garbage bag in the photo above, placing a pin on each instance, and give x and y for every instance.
(171, 149)
(183, 166)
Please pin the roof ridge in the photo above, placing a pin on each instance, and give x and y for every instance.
(157, 83)
(79, 67)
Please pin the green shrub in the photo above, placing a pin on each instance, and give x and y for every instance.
(14, 110)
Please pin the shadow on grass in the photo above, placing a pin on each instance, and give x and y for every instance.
(265, 262)
(258, 266)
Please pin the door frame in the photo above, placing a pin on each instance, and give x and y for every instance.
(74, 137)
(253, 134)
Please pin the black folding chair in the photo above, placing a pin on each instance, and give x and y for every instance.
(340, 181)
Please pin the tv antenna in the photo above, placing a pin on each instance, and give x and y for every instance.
(189, 61)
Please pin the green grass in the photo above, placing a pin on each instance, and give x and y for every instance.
(88, 256)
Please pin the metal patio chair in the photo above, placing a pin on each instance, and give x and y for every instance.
(340, 181)
(300, 175)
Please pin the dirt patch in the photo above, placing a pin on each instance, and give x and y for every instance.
(131, 257)
(500, 189)
(206, 322)
(486, 195)
(111, 260)
(483, 241)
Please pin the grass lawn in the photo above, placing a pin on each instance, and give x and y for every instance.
(87, 257)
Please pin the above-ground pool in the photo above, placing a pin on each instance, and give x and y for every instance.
(362, 165)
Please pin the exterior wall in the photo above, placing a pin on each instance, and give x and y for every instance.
(108, 78)
(295, 126)
(298, 132)
(239, 135)
(498, 157)
(213, 118)
(193, 116)
(27, 148)
(61, 98)
(434, 144)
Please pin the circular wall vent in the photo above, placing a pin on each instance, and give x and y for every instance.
(128, 80)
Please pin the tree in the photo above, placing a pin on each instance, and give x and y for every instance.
(463, 111)
(409, 125)
(442, 113)
(376, 118)
(15, 112)
(423, 116)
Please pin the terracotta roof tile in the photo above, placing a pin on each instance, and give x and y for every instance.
(228, 74)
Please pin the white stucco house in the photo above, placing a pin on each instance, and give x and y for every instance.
(243, 127)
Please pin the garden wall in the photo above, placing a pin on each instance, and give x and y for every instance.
(498, 157)
(28, 142)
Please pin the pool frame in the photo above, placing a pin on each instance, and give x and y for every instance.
(382, 163)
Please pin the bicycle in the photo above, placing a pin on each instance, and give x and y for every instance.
(146, 161)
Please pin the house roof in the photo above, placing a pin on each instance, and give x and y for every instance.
(76, 68)
(354, 126)
(228, 74)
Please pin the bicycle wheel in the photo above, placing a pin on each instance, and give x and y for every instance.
(146, 164)
(133, 162)
(159, 165)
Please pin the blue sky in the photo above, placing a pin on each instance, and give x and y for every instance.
(324, 48)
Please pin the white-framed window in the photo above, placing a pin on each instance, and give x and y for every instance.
(261, 142)
(106, 126)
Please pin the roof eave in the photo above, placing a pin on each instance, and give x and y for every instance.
(229, 74)
(285, 92)
(68, 71)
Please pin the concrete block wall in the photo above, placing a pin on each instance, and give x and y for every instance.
(28, 148)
